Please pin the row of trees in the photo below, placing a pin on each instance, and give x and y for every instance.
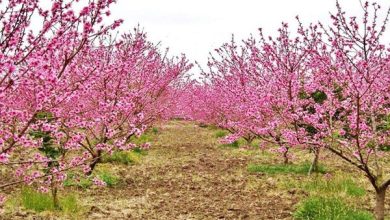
(72, 91)
(321, 87)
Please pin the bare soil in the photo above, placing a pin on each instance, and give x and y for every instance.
(186, 175)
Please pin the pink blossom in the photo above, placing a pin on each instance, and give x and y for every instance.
(146, 146)
(4, 158)
(98, 182)
(3, 198)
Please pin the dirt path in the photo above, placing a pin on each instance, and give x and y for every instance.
(187, 176)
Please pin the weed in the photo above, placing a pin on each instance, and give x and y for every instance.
(283, 168)
(33, 200)
(78, 181)
(140, 152)
(235, 144)
(155, 130)
(39, 202)
(124, 157)
(324, 208)
(110, 179)
(86, 182)
(69, 204)
(220, 133)
(335, 185)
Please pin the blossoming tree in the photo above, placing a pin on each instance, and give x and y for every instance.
(351, 67)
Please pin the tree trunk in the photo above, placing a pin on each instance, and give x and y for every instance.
(380, 203)
(285, 156)
(54, 194)
(95, 161)
(314, 164)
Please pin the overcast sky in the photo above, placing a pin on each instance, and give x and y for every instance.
(196, 27)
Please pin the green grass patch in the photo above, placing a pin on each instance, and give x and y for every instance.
(84, 182)
(69, 204)
(283, 168)
(139, 151)
(124, 157)
(33, 200)
(221, 133)
(255, 143)
(109, 178)
(325, 208)
(384, 147)
(79, 181)
(335, 185)
(155, 130)
(238, 143)
(39, 202)
(145, 137)
(235, 144)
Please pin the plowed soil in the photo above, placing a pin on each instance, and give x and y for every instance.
(186, 175)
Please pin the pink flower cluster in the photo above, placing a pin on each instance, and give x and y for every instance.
(98, 182)
(71, 88)
(2, 199)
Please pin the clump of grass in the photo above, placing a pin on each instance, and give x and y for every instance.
(147, 136)
(255, 143)
(283, 168)
(241, 142)
(324, 208)
(33, 200)
(84, 182)
(335, 185)
(39, 202)
(155, 130)
(235, 144)
(220, 133)
(384, 147)
(144, 138)
(107, 177)
(77, 181)
(139, 151)
(124, 157)
(69, 204)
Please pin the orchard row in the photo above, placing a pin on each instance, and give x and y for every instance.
(314, 89)
(73, 90)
